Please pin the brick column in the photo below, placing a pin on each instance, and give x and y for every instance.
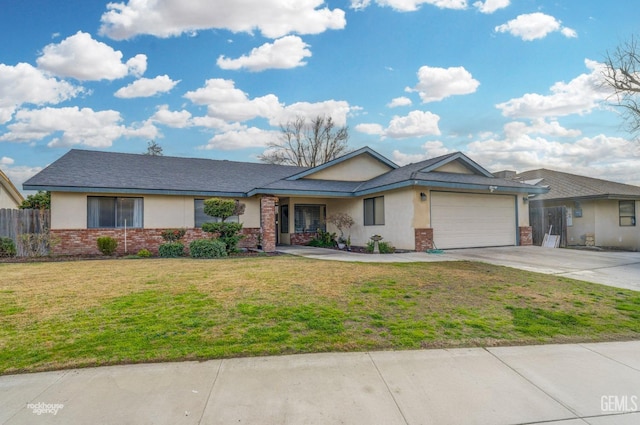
(268, 222)
(424, 239)
(526, 235)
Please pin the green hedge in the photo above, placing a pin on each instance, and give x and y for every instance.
(207, 248)
(7, 247)
(171, 250)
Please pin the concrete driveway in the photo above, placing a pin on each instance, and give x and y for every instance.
(619, 269)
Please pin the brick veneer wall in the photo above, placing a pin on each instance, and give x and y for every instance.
(424, 239)
(302, 238)
(268, 222)
(83, 241)
(526, 235)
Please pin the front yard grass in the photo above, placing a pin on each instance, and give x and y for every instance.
(75, 314)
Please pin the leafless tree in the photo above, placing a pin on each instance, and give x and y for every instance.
(153, 148)
(307, 143)
(622, 74)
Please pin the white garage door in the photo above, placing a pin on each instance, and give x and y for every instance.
(465, 220)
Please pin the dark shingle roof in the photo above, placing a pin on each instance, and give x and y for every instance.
(566, 185)
(134, 172)
(96, 171)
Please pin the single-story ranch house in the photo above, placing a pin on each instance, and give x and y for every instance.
(445, 202)
(598, 212)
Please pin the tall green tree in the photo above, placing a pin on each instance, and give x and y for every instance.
(38, 201)
(307, 143)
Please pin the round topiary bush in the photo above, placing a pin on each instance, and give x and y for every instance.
(144, 253)
(207, 248)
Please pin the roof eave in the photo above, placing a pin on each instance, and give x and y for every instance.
(471, 164)
(136, 191)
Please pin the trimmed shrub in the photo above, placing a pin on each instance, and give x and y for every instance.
(144, 253)
(228, 233)
(7, 247)
(207, 248)
(171, 250)
(107, 245)
(384, 247)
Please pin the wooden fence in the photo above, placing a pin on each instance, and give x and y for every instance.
(542, 218)
(28, 229)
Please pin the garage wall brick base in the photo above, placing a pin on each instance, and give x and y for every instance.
(424, 239)
(526, 235)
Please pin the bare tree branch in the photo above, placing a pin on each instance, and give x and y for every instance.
(622, 74)
(307, 143)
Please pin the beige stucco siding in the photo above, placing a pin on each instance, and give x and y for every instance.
(609, 233)
(454, 167)
(360, 168)
(6, 201)
(69, 211)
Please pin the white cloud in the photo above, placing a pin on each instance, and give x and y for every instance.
(284, 53)
(83, 58)
(226, 102)
(431, 149)
(73, 126)
(166, 18)
(21, 173)
(490, 6)
(242, 139)
(175, 119)
(579, 96)
(399, 101)
(411, 5)
(435, 84)
(336, 109)
(415, 124)
(601, 156)
(147, 87)
(534, 26)
(5, 160)
(23, 83)
(373, 129)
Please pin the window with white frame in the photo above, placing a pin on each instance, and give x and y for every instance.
(114, 212)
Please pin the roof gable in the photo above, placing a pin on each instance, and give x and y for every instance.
(360, 165)
(456, 163)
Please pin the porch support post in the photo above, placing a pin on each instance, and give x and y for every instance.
(268, 222)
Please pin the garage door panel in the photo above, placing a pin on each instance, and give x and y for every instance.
(464, 220)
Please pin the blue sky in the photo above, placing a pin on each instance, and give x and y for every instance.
(514, 84)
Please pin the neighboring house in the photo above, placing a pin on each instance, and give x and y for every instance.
(598, 212)
(448, 202)
(9, 195)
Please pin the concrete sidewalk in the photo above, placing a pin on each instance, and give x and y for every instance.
(596, 384)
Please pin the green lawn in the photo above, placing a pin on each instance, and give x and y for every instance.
(73, 314)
